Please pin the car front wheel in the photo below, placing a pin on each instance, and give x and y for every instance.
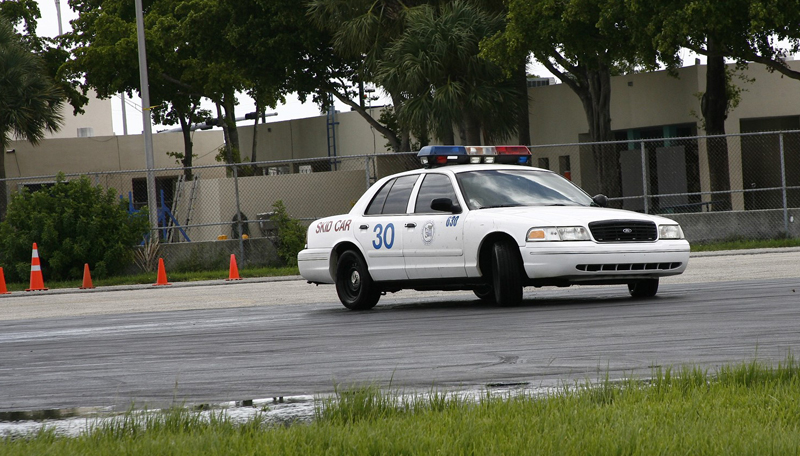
(643, 288)
(506, 274)
(354, 285)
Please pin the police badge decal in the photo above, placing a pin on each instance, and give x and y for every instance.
(427, 232)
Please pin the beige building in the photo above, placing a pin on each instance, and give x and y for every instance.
(658, 105)
(95, 121)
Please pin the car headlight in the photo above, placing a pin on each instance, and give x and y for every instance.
(670, 232)
(558, 233)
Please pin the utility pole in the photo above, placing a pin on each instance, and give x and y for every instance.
(58, 14)
(146, 120)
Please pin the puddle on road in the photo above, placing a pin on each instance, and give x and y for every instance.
(274, 411)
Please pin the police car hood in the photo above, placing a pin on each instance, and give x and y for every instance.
(564, 215)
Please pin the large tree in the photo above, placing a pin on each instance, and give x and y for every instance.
(763, 31)
(435, 63)
(362, 31)
(24, 15)
(278, 51)
(105, 50)
(584, 43)
(411, 50)
(30, 102)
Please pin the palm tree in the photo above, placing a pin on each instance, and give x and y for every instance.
(361, 31)
(436, 63)
(30, 103)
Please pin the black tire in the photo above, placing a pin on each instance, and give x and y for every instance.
(485, 293)
(644, 288)
(506, 274)
(354, 285)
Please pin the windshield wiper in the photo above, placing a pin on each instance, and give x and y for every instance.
(499, 205)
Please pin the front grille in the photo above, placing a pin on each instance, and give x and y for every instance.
(623, 231)
(628, 267)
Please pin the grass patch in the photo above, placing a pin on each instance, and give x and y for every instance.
(745, 409)
(742, 244)
(146, 278)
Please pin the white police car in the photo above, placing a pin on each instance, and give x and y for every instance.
(483, 225)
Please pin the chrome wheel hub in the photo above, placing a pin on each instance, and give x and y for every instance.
(355, 280)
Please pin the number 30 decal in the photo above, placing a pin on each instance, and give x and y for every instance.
(384, 237)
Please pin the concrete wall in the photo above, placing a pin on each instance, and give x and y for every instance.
(198, 256)
(654, 99)
(720, 226)
(306, 196)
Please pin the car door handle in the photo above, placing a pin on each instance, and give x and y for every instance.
(363, 227)
(411, 225)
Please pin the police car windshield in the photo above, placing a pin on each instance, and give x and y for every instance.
(524, 187)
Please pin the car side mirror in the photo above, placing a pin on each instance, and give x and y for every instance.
(445, 205)
(600, 200)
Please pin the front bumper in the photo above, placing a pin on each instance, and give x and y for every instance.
(587, 261)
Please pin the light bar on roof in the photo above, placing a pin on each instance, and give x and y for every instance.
(431, 156)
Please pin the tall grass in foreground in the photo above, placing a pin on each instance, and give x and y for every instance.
(745, 409)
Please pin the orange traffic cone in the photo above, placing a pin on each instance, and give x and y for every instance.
(87, 278)
(162, 274)
(3, 289)
(234, 271)
(37, 281)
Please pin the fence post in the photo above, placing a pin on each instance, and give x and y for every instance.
(783, 187)
(366, 168)
(644, 179)
(238, 213)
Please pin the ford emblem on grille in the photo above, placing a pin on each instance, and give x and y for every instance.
(627, 230)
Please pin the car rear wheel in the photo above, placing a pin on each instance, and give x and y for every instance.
(644, 288)
(506, 274)
(354, 285)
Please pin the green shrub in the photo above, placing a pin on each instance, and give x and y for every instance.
(73, 223)
(291, 234)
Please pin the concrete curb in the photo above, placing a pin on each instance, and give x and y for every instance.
(146, 286)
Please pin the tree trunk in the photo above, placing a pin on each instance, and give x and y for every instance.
(472, 130)
(186, 130)
(405, 141)
(714, 107)
(449, 137)
(523, 117)
(229, 104)
(596, 101)
(226, 136)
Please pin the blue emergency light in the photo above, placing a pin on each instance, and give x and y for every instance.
(431, 156)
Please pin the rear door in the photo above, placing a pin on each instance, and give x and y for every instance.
(380, 231)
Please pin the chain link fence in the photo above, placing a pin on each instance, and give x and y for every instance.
(717, 187)
(744, 186)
